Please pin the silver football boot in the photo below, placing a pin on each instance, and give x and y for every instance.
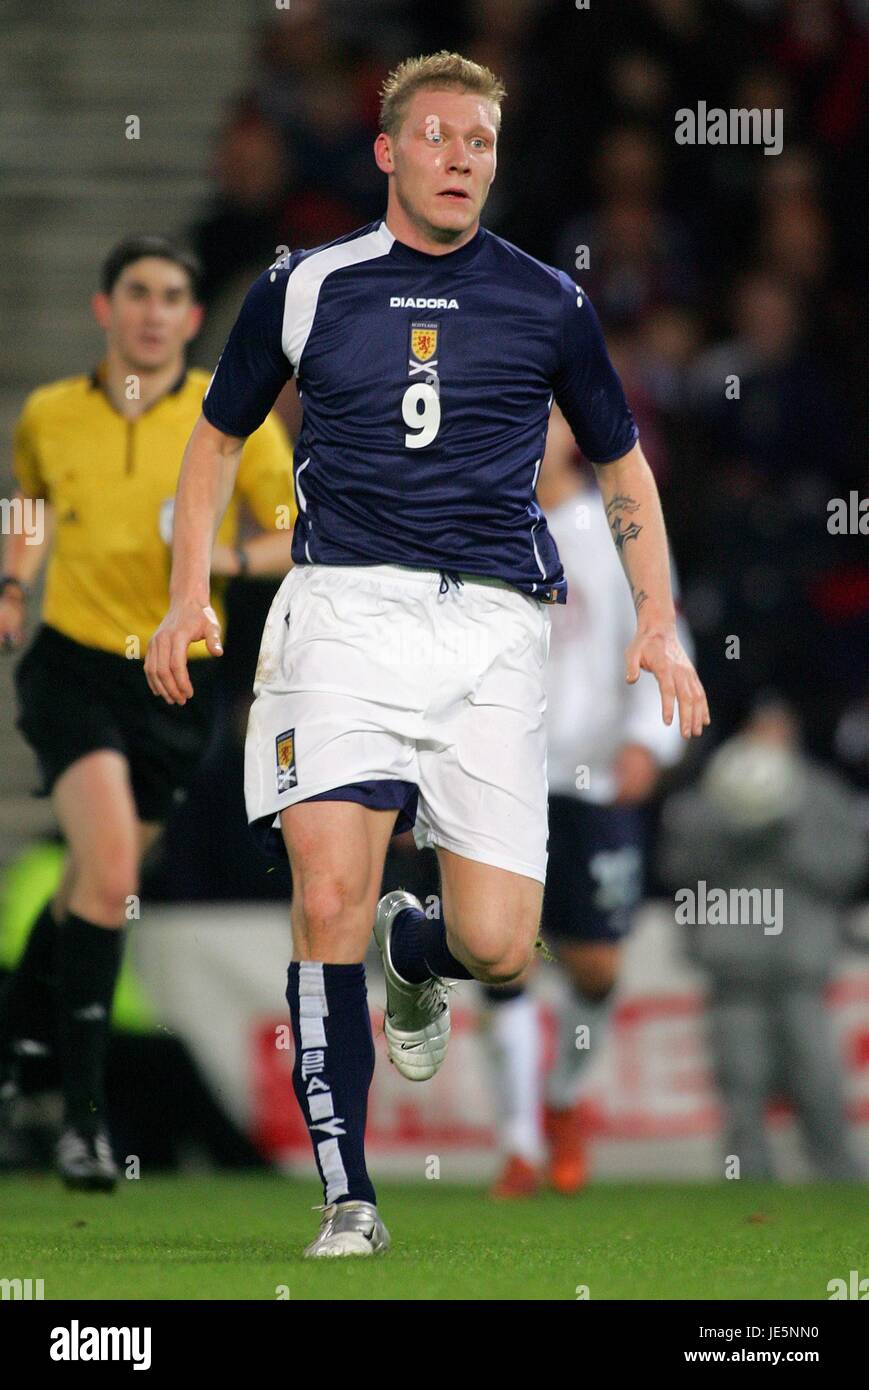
(349, 1228)
(417, 1021)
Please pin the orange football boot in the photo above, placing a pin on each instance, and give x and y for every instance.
(518, 1178)
(568, 1164)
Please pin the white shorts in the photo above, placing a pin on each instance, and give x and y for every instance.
(396, 688)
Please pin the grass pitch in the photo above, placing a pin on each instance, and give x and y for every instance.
(240, 1238)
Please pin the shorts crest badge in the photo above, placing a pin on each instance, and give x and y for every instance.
(285, 755)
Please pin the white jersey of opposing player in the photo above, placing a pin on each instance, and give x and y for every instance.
(591, 710)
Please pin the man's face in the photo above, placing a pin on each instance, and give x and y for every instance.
(443, 160)
(150, 315)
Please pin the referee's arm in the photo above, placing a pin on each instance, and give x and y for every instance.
(31, 531)
(205, 485)
(24, 552)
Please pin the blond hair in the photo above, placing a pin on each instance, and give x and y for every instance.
(442, 69)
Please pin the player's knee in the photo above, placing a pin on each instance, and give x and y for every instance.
(503, 972)
(500, 962)
(326, 905)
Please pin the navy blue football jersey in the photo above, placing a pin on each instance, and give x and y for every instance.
(426, 384)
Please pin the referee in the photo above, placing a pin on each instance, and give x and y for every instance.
(96, 459)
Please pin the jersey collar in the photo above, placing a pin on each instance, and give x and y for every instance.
(408, 255)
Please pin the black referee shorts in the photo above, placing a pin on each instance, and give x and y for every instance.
(74, 699)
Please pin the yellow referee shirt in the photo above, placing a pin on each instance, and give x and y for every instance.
(111, 482)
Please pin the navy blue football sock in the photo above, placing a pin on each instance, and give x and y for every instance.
(502, 994)
(418, 948)
(332, 1071)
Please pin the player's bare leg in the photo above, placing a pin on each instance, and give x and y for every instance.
(486, 931)
(514, 1045)
(491, 916)
(336, 851)
(592, 971)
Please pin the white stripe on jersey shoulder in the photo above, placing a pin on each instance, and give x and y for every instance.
(303, 284)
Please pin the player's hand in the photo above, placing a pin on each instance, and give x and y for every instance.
(13, 609)
(166, 657)
(659, 650)
(636, 772)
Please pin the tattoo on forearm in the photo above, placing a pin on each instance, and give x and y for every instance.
(639, 598)
(621, 503)
(622, 532)
(620, 536)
